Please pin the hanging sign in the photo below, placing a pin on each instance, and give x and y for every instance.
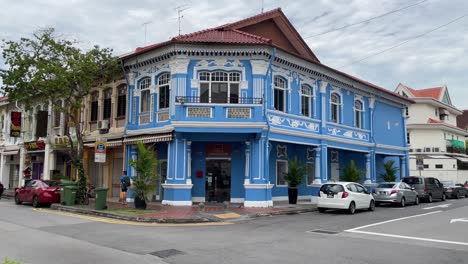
(100, 150)
(15, 127)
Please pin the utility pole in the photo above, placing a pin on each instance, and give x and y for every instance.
(146, 25)
(263, 4)
(180, 16)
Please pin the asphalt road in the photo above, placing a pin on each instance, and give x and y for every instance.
(414, 234)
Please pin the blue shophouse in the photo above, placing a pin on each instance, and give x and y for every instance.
(224, 108)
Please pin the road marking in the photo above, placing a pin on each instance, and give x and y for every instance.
(124, 222)
(438, 206)
(459, 220)
(411, 238)
(389, 221)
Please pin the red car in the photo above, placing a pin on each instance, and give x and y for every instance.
(38, 192)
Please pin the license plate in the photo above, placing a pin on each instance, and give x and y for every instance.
(383, 192)
(330, 195)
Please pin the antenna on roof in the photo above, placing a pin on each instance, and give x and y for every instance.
(146, 25)
(179, 14)
(263, 3)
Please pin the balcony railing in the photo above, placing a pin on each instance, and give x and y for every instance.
(217, 100)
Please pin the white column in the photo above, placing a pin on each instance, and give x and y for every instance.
(368, 168)
(22, 153)
(317, 179)
(46, 169)
(402, 167)
(2, 161)
(247, 163)
(189, 162)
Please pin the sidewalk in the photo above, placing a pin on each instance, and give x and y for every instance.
(158, 213)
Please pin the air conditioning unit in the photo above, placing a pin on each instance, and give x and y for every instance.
(103, 124)
(427, 149)
(434, 149)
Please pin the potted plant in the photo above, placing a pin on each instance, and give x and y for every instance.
(294, 177)
(390, 171)
(351, 172)
(145, 180)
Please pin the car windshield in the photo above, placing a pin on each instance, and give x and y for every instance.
(412, 180)
(447, 183)
(386, 185)
(336, 188)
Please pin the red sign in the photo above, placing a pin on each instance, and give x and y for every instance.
(34, 145)
(15, 127)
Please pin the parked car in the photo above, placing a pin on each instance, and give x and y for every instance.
(454, 190)
(38, 192)
(396, 193)
(1, 188)
(428, 188)
(345, 195)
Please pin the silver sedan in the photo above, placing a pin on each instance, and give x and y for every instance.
(395, 192)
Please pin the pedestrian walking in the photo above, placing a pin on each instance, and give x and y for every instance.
(124, 184)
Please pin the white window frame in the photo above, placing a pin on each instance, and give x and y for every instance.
(309, 97)
(276, 171)
(161, 85)
(145, 89)
(233, 77)
(276, 81)
(361, 114)
(338, 107)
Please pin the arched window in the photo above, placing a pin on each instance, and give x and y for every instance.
(335, 103)
(279, 94)
(145, 97)
(163, 89)
(94, 106)
(121, 100)
(107, 105)
(358, 110)
(306, 100)
(219, 87)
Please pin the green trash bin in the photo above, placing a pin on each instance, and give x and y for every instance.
(101, 198)
(68, 195)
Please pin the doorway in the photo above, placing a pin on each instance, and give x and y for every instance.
(335, 171)
(218, 180)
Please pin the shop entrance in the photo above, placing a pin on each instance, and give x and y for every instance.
(218, 180)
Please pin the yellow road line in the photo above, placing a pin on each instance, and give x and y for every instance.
(125, 222)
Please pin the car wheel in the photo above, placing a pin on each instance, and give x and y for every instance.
(430, 200)
(416, 202)
(352, 208)
(372, 206)
(444, 197)
(35, 202)
(17, 200)
(402, 202)
(322, 210)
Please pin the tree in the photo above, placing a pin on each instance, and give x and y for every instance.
(296, 172)
(48, 68)
(351, 172)
(145, 165)
(390, 171)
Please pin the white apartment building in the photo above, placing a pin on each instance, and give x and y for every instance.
(433, 135)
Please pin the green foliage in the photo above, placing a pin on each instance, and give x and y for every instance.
(351, 172)
(390, 171)
(48, 68)
(296, 172)
(145, 165)
(11, 261)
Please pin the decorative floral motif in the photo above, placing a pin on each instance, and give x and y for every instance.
(348, 134)
(334, 131)
(310, 154)
(293, 123)
(280, 151)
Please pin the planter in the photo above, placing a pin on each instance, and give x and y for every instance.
(139, 203)
(292, 195)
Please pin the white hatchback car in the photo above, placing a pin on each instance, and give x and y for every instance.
(345, 195)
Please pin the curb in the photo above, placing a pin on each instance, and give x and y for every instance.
(285, 212)
(93, 212)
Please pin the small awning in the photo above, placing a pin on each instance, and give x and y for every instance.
(11, 152)
(110, 143)
(149, 138)
(462, 159)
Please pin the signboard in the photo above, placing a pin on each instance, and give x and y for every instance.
(34, 145)
(420, 163)
(100, 150)
(15, 127)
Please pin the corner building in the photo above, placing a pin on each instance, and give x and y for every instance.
(224, 107)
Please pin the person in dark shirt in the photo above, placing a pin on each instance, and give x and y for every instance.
(124, 183)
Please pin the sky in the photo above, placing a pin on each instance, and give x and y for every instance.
(430, 60)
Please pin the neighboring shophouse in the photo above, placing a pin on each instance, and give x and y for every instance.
(433, 134)
(105, 118)
(224, 107)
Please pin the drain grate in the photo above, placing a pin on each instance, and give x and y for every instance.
(321, 231)
(167, 253)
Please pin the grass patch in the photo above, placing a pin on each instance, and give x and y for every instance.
(11, 261)
(131, 211)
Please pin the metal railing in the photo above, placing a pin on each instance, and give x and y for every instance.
(217, 100)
